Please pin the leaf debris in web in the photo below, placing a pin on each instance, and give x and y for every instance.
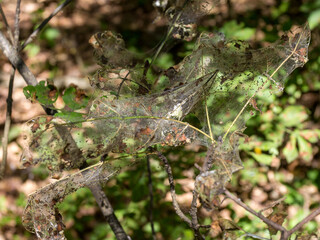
(218, 82)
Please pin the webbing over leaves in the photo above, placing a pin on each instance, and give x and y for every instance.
(218, 82)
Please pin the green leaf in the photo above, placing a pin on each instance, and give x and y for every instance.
(262, 158)
(32, 50)
(293, 115)
(305, 149)
(74, 99)
(314, 19)
(290, 151)
(268, 145)
(50, 35)
(234, 30)
(164, 61)
(44, 94)
(30, 92)
(309, 135)
(14, 132)
(275, 134)
(245, 34)
(71, 117)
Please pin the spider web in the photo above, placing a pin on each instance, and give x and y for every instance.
(217, 82)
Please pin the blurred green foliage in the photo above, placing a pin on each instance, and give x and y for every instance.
(237, 31)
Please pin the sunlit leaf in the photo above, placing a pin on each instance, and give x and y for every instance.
(314, 19)
(45, 94)
(305, 149)
(75, 98)
(262, 158)
(309, 135)
(73, 117)
(293, 115)
(290, 151)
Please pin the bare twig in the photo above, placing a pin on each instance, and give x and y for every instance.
(272, 204)
(209, 160)
(193, 209)
(7, 25)
(43, 24)
(5, 139)
(151, 198)
(16, 60)
(194, 217)
(308, 218)
(172, 189)
(259, 215)
(16, 25)
(253, 236)
(108, 212)
(285, 234)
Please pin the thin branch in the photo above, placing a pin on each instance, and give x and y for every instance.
(16, 60)
(285, 234)
(108, 212)
(172, 189)
(304, 221)
(7, 25)
(151, 198)
(16, 25)
(259, 215)
(193, 209)
(5, 139)
(209, 160)
(194, 217)
(272, 204)
(253, 236)
(43, 24)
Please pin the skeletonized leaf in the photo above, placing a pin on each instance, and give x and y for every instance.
(218, 82)
(41, 215)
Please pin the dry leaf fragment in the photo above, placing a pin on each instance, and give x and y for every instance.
(278, 216)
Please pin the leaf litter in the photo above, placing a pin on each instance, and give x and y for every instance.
(218, 83)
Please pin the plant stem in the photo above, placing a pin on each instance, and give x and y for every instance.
(259, 215)
(5, 139)
(108, 212)
(43, 24)
(16, 60)
(176, 206)
(308, 218)
(7, 25)
(7, 125)
(151, 198)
